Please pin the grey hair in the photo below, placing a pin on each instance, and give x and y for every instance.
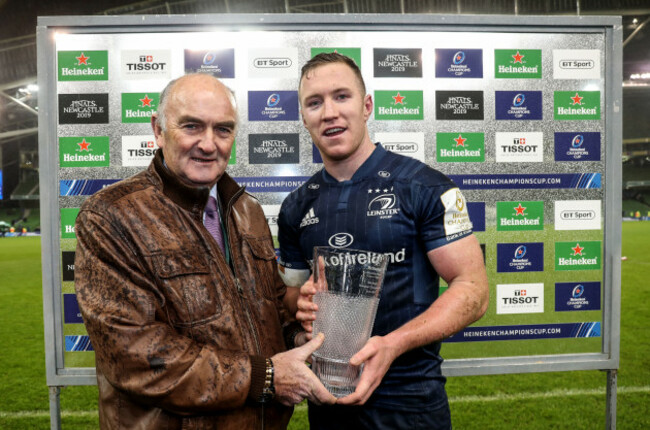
(161, 118)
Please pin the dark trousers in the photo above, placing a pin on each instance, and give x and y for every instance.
(337, 417)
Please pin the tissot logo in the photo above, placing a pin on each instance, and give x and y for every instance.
(83, 65)
(519, 147)
(137, 151)
(218, 62)
(272, 105)
(152, 64)
(520, 298)
(84, 151)
(271, 213)
(518, 105)
(83, 108)
(138, 107)
(577, 146)
(398, 63)
(273, 148)
(341, 240)
(520, 257)
(459, 105)
(454, 63)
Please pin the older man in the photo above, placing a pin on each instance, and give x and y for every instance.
(177, 283)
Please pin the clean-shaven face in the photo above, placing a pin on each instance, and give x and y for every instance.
(199, 131)
(334, 110)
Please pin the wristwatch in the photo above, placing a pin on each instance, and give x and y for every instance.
(268, 391)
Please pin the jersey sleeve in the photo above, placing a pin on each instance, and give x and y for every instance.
(291, 255)
(443, 215)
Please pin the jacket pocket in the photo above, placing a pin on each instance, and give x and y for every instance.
(189, 288)
(264, 265)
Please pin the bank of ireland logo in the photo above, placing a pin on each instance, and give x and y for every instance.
(460, 147)
(383, 203)
(83, 65)
(84, 151)
(399, 105)
(520, 216)
(138, 107)
(518, 63)
(576, 105)
(581, 255)
(341, 240)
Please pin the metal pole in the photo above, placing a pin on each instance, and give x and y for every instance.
(610, 407)
(55, 407)
(401, 6)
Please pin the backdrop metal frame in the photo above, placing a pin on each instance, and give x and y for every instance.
(608, 360)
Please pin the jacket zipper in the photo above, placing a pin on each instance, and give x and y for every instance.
(244, 302)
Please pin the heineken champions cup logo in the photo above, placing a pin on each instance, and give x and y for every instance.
(83, 65)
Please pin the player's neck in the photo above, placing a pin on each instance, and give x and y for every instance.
(343, 170)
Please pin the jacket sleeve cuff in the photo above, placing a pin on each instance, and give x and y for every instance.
(258, 374)
(290, 331)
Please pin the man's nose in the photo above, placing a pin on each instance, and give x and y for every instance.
(208, 141)
(330, 110)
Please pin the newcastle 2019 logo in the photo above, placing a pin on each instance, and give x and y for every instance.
(83, 108)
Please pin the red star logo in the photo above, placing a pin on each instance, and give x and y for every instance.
(519, 210)
(577, 100)
(146, 101)
(399, 100)
(578, 249)
(82, 59)
(83, 145)
(517, 57)
(460, 140)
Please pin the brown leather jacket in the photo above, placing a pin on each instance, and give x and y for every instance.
(180, 336)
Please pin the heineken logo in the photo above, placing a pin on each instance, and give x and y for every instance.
(85, 151)
(576, 105)
(83, 65)
(518, 64)
(460, 147)
(354, 53)
(399, 105)
(583, 255)
(68, 218)
(517, 216)
(138, 107)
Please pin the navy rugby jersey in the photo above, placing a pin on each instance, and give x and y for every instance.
(397, 206)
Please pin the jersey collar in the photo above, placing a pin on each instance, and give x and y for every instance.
(366, 169)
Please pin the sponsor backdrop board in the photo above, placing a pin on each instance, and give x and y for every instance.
(524, 119)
